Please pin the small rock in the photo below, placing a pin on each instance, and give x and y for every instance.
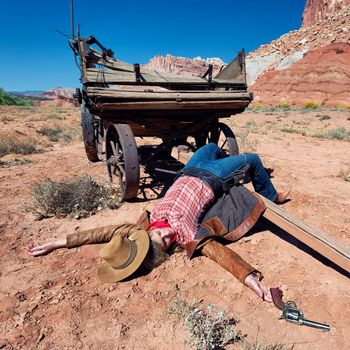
(41, 337)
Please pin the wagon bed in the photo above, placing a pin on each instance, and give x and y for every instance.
(128, 100)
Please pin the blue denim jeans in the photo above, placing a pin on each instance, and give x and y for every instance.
(209, 158)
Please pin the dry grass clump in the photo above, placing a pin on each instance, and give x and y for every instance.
(11, 144)
(208, 330)
(79, 197)
(291, 130)
(266, 347)
(344, 174)
(335, 134)
(13, 162)
(57, 133)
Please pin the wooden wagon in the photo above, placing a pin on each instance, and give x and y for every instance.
(121, 101)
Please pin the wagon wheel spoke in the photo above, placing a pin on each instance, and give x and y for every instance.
(223, 145)
(220, 134)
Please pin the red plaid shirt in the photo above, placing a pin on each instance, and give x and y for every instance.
(182, 206)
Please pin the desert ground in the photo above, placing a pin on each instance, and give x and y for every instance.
(57, 302)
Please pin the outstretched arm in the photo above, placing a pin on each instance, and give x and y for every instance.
(93, 236)
(239, 268)
(46, 248)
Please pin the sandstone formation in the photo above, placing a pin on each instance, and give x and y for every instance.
(319, 10)
(60, 96)
(322, 77)
(183, 66)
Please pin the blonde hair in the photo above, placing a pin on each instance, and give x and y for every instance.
(155, 256)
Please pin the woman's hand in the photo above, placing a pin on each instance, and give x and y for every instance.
(252, 281)
(45, 248)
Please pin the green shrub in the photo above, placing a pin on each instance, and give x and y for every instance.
(311, 105)
(7, 99)
(80, 197)
(284, 106)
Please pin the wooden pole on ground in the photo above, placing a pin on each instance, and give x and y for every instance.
(315, 239)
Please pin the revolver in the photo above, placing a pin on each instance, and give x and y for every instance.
(291, 313)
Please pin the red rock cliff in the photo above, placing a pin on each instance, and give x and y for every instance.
(318, 10)
(322, 76)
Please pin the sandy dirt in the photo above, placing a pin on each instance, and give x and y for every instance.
(57, 301)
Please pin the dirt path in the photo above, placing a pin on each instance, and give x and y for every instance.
(57, 302)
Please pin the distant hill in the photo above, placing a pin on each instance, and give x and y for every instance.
(27, 93)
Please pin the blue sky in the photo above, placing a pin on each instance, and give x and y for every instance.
(33, 56)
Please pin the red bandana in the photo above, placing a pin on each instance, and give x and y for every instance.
(162, 224)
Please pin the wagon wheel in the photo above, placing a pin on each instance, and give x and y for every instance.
(93, 131)
(122, 159)
(222, 135)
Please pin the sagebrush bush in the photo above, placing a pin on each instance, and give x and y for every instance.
(207, 329)
(79, 197)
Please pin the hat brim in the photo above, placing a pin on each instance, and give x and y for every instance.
(107, 273)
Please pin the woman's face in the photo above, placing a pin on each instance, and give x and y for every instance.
(162, 236)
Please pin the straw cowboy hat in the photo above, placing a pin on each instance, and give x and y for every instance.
(123, 256)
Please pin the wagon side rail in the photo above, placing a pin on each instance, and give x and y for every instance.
(117, 72)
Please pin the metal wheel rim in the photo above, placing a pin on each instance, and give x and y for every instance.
(122, 159)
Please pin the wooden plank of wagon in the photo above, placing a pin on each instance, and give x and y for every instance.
(156, 89)
(95, 75)
(170, 105)
(315, 239)
(169, 96)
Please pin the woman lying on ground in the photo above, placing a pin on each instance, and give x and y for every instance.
(177, 218)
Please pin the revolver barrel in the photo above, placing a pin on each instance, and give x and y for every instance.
(318, 325)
